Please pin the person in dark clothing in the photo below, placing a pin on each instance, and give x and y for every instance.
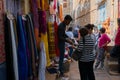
(62, 38)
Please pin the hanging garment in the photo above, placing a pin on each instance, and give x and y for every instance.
(56, 39)
(42, 22)
(61, 13)
(44, 38)
(2, 42)
(28, 47)
(27, 6)
(13, 6)
(34, 9)
(14, 47)
(8, 50)
(35, 56)
(51, 39)
(42, 64)
(22, 55)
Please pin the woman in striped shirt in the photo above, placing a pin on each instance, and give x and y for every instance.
(86, 45)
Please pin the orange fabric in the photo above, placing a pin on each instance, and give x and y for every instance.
(37, 37)
(61, 13)
(38, 4)
(106, 25)
(46, 5)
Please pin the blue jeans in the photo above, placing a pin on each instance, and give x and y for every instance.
(100, 58)
(3, 74)
(71, 50)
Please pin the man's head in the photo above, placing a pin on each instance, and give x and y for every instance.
(67, 19)
(102, 30)
(89, 27)
(118, 21)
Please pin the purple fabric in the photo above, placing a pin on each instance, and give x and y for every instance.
(35, 13)
(42, 22)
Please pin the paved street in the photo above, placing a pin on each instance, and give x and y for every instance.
(74, 74)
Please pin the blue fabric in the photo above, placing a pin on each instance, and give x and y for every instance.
(71, 51)
(3, 74)
(22, 55)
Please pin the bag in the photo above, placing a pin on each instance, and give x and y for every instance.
(76, 55)
(115, 52)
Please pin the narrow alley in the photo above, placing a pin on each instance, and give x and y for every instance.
(100, 74)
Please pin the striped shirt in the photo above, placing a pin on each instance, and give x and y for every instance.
(88, 50)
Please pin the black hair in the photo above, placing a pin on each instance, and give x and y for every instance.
(89, 26)
(102, 30)
(118, 20)
(68, 17)
(70, 29)
(83, 33)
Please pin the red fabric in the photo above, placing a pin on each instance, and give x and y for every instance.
(2, 41)
(55, 3)
(117, 39)
(56, 39)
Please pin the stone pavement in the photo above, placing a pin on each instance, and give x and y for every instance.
(74, 74)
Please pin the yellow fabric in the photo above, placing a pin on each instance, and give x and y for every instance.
(45, 40)
(43, 3)
(51, 38)
(27, 7)
(46, 5)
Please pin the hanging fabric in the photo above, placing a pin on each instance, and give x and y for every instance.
(14, 47)
(42, 22)
(56, 38)
(13, 6)
(8, 50)
(22, 56)
(61, 13)
(28, 46)
(2, 41)
(51, 39)
(27, 6)
(42, 64)
(34, 9)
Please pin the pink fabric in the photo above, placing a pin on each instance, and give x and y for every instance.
(117, 39)
(103, 39)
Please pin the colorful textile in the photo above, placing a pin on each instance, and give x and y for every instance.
(27, 6)
(8, 50)
(34, 9)
(28, 47)
(44, 38)
(42, 22)
(14, 49)
(117, 39)
(42, 62)
(56, 38)
(22, 56)
(61, 13)
(2, 41)
(34, 51)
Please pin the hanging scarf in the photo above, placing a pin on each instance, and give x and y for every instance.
(34, 9)
(42, 22)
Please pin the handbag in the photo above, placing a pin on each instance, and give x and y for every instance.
(115, 52)
(76, 55)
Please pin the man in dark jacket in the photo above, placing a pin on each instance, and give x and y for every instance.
(62, 38)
